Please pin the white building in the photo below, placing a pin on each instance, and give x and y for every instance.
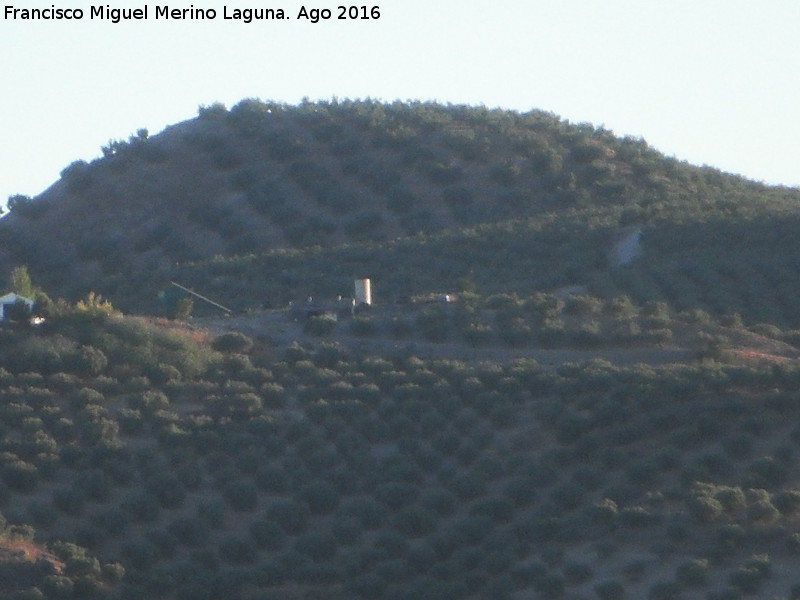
(10, 300)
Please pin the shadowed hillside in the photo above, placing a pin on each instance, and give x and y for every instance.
(267, 202)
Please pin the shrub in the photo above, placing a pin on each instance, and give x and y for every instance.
(20, 476)
(446, 442)
(321, 497)
(763, 510)
(319, 326)
(242, 496)
(610, 590)
(112, 573)
(96, 485)
(86, 397)
(767, 471)
(414, 521)
(77, 176)
(524, 574)
(395, 570)
(747, 579)
(292, 516)
(711, 347)
(468, 485)
(57, 587)
(400, 327)
(788, 502)
(445, 172)
(692, 573)
(85, 587)
(396, 494)
(731, 537)
(583, 305)
(42, 515)
(238, 551)
(499, 510)
(141, 506)
(663, 590)
(761, 563)
(272, 479)
(467, 453)
(19, 532)
(140, 554)
(112, 520)
(442, 502)
(550, 585)
(273, 395)
(167, 491)
(237, 406)
(363, 326)
(347, 531)
(705, 509)
(434, 324)
(576, 573)
(391, 544)
(22, 204)
(190, 531)
(179, 308)
(732, 498)
(86, 361)
(317, 545)
(369, 586)
(233, 342)
(69, 501)
(130, 421)
(637, 517)
(164, 541)
(267, 534)
(521, 491)
(728, 593)
(499, 588)
(568, 495)
(366, 511)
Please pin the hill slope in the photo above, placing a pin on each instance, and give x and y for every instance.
(138, 462)
(419, 196)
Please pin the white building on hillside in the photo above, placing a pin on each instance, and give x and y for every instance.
(10, 300)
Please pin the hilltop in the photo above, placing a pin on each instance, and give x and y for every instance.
(265, 203)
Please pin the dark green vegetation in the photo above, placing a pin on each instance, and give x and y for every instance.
(264, 203)
(417, 450)
(153, 466)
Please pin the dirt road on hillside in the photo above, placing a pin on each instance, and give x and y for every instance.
(274, 328)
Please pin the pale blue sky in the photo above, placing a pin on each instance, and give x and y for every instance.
(710, 81)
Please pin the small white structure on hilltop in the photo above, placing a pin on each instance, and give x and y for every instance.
(10, 300)
(363, 292)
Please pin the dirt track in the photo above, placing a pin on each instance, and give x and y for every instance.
(274, 327)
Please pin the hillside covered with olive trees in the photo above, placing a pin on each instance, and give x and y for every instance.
(578, 378)
(266, 203)
(141, 459)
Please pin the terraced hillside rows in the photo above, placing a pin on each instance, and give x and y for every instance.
(266, 203)
(148, 464)
(418, 448)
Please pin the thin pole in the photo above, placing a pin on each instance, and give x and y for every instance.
(185, 289)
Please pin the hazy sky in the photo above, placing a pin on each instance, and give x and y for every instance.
(710, 81)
